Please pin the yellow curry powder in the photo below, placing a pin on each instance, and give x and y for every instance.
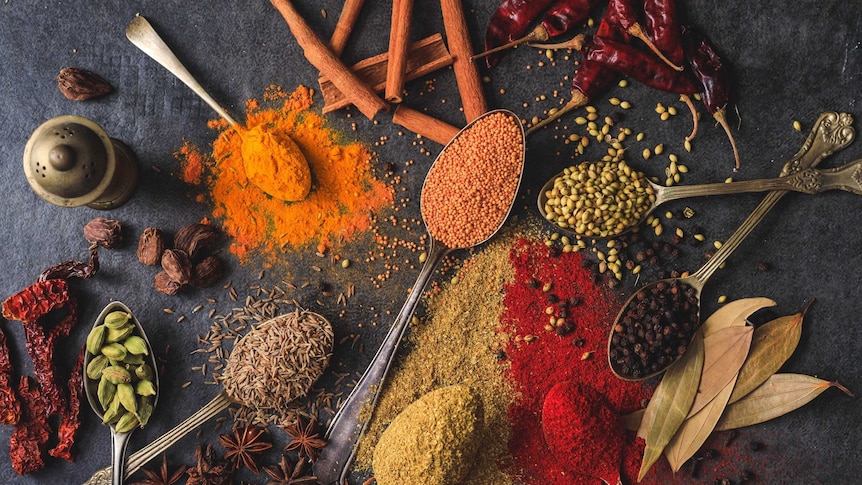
(344, 193)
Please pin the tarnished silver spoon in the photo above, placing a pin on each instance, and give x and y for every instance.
(119, 438)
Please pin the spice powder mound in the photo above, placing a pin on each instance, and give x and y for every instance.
(471, 187)
(344, 193)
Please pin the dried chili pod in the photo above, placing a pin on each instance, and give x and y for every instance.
(69, 421)
(10, 408)
(72, 268)
(31, 434)
(511, 21)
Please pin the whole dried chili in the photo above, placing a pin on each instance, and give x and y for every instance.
(559, 19)
(29, 306)
(72, 268)
(69, 422)
(30, 436)
(628, 18)
(509, 22)
(10, 408)
(712, 73)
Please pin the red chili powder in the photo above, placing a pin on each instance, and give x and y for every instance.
(579, 355)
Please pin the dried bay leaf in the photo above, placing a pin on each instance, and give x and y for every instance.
(670, 403)
(697, 428)
(780, 394)
(724, 352)
(734, 314)
(773, 343)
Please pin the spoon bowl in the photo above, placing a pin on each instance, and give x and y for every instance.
(283, 156)
(342, 436)
(119, 439)
(630, 197)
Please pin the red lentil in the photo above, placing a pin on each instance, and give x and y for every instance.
(472, 184)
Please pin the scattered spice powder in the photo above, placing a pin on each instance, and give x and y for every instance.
(343, 197)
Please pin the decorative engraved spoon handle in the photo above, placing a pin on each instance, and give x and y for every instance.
(141, 457)
(810, 181)
(831, 132)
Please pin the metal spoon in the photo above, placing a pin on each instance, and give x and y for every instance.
(831, 132)
(211, 409)
(119, 440)
(142, 34)
(352, 418)
(809, 181)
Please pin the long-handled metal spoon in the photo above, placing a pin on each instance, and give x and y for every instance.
(352, 418)
(142, 34)
(119, 440)
(831, 132)
(809, 181)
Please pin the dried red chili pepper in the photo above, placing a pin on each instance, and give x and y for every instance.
(628, 18)
(714, 77)
(559, 19)
(511, 21)
(72, 268)
(69, 422)
(10, 408)
(30, 436)
(29, 306)
(662, 27)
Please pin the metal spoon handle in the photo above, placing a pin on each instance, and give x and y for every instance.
(831, 132)
(810, 181)
(352, 418)
(142, 35)
(141, 457)
(119, 441)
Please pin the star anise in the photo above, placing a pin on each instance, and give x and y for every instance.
(305, 439)
(211, 470)
(242, 445)
(286, 473)
(163, 476)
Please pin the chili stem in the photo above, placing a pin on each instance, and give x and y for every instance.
(721, 117)
(539, 33)
(637, 31)
(576, 43)
(578, 99)
(687, 100)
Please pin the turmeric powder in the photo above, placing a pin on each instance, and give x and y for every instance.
(341, 203)
(275, 164)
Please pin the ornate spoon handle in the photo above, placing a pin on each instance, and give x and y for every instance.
(141, 457)
(831, 132)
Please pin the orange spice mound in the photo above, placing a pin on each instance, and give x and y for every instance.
(343, 197)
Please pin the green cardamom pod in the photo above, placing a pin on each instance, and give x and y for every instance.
(117, 319)
(119, 334)
(95, 339)
(126, 393)
(144, 371)
(145, 388)
(105, 392)
(133, 359)
(136, 345)
(116, 374)
(114, 351)
(127, 423)
(145, 410)
(95, 366)
(111, 416)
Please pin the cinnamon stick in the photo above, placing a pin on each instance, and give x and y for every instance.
(425, 125)
(346, 21)
(466, 74)
(399, 43)
(321, 57)
(425, 56)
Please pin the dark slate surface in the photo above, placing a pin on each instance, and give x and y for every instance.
(790, 61)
